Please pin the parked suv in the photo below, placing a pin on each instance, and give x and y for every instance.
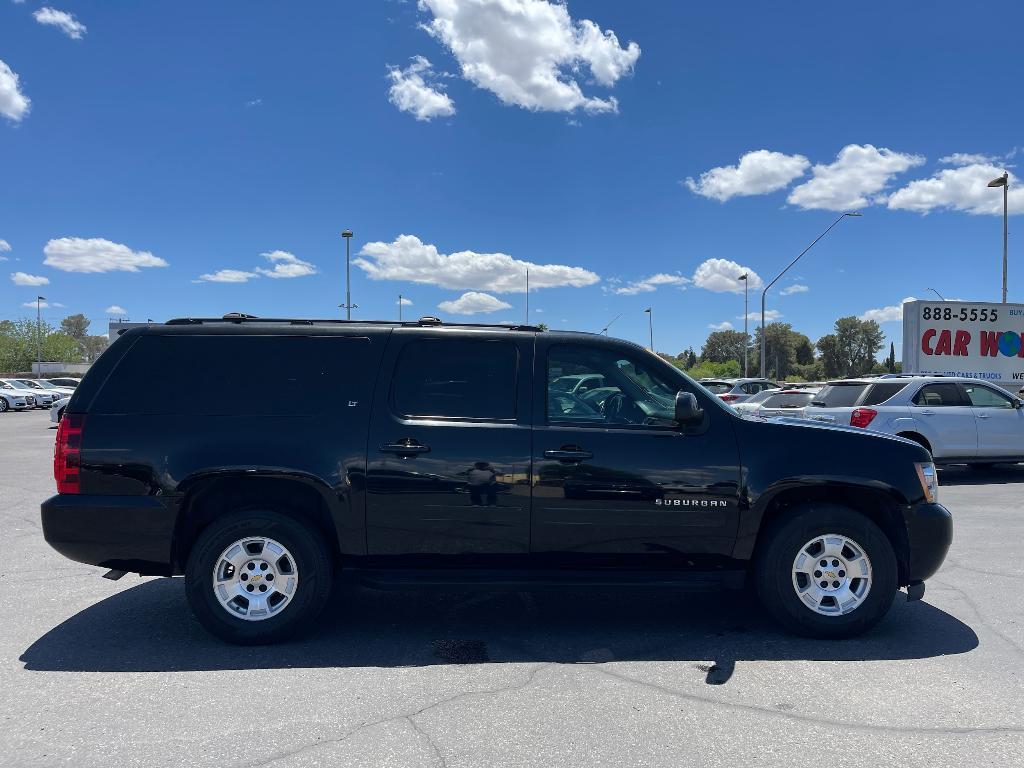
(445, 456)
(737, 390)
(959, 420)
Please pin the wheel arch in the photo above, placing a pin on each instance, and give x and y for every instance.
(917, 437)
(208, 496)
(881, 505)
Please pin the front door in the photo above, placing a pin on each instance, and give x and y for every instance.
(615, 480)
(448, 458)
(1000, 422)
(945, 417)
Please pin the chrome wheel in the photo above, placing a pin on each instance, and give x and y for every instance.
(255, 578)
(832, 574)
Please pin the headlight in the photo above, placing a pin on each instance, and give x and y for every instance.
(929, 480)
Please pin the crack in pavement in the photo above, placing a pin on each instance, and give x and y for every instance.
(403, 716)
(978, 612)
(793, 716)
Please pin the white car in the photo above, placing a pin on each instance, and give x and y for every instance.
(791, 403)
(43, 386)
(733, 391)
(752, 403)
(43, 397)
(960, 420)
(58, 408)
(68, 383)
(12, 399)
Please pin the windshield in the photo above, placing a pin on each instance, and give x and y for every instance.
(761, 396)
(839, 395)
(45, 384)
(29, 383)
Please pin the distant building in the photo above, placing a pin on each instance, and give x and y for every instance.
(116, 327)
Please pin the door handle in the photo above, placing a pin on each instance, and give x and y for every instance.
(982, 415)
(405, 447)
(927, 413)
(568, 454)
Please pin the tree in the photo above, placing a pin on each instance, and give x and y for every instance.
(75, 326)
(20, 342)
(851, 350)
(890, 362)
(804, 350)
(780, 349)
(687, 358)
(722, 346)
(691, 360)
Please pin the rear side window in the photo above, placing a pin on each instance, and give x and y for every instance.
(193, 375)
(839, 395)
(788, 400)
(716, 387)
(938, 395)
(879, 393)
(456, 379)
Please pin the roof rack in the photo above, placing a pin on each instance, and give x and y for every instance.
(240, 318)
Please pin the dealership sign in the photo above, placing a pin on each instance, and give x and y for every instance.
(961, 338)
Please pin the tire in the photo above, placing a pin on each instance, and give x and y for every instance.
(778, 582)
(4, 405)
(306, 565)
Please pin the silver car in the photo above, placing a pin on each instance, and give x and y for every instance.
(734, 391)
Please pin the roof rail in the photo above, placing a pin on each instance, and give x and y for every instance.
(240, 318)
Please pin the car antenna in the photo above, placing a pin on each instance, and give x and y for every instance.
(605, 329)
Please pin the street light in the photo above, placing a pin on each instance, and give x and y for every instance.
(1004, 182)
(941, 297)
(399, 307)
(764, 293)
(348, 306)
(746, 336)
(39, 337)
(650, 325)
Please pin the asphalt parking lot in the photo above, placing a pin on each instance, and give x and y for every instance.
(101, 673)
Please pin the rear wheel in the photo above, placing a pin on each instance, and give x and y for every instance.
(258, 577)
(826, 571)
(4, 405)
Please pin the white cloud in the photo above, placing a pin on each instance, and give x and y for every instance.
(966, 158)
(854, 180)
(286, 265)
(529, 53)
(62, 20)
(769, 315)
(405, 302)
(789, 290)
(757, 173)
(14, 104)
(77, 254)
(411, 93)
(4, 246)
(254, 103)
(725, 325)
(887, 314)
(960, 189)
(42, 304)
(24, 278)
(226, 276)
(652, 283)
(114, 309)
(722, 276)
(409, 258)
(472, 303)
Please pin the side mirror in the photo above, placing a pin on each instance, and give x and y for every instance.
(1018, 403)
(688, 413)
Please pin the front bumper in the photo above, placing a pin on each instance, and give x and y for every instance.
(127, 533)
(929, 533)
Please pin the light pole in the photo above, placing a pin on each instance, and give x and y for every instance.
(347, 234)
(941, 297)
(399, 307)
(650, 325)
(746, 336)
(39, 337)
(1004, 182)
(764, 293)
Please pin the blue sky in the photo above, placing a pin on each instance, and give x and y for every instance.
(182, 139)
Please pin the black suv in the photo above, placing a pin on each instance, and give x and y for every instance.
(422, 453)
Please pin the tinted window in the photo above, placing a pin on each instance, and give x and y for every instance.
(635, 393)
(879, 393)
(763, 395)
(716, 387)
(788, 400)
(983, 397)
(236, 375)
(839, 395)
(456, 378)
(936, 395)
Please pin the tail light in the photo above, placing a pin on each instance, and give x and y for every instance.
(729, 398)
(861, 417)
(67, 453)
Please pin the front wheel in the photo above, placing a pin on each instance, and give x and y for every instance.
(3, 404)
(258, 577)
(826, 571)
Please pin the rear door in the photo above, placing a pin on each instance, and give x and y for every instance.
(1000, 423)
(943, 414)
(621, 484)
(448, 458)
